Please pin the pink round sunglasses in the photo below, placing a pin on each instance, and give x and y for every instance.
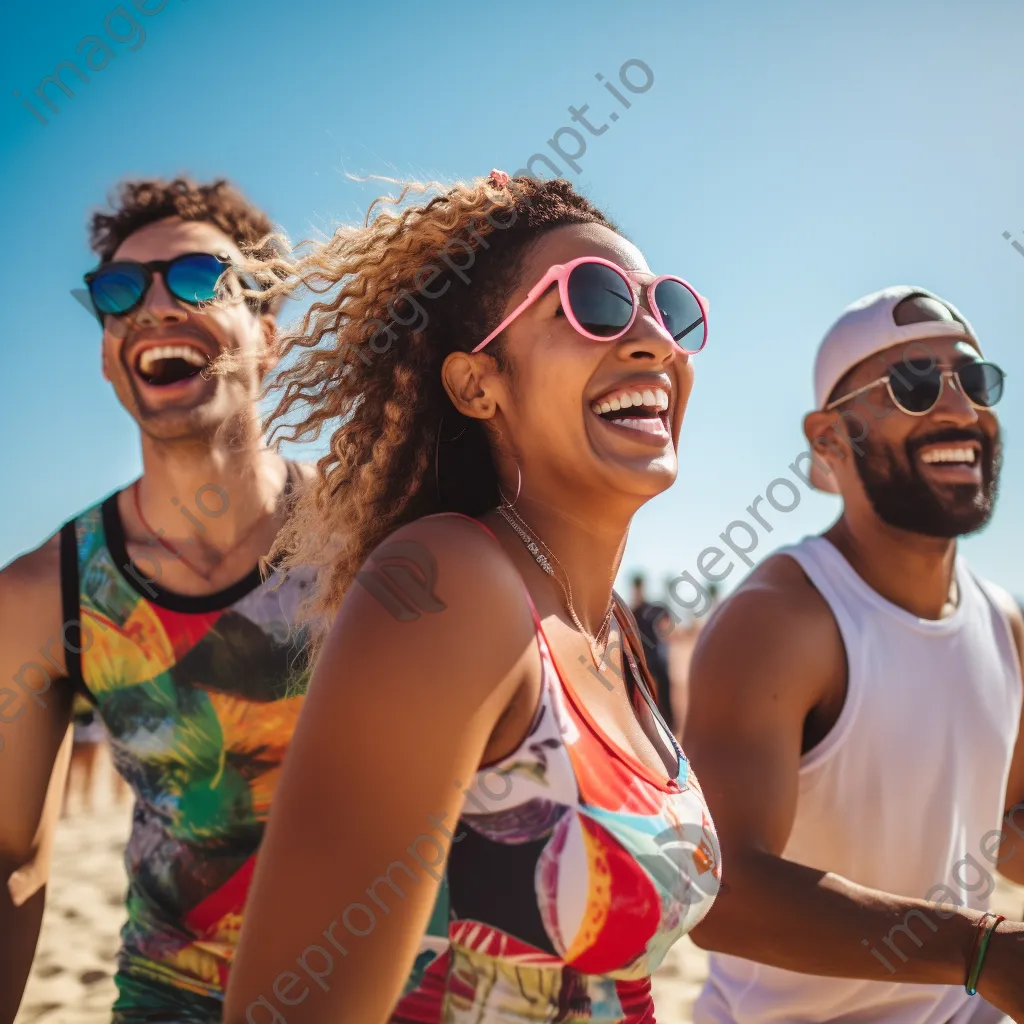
(561, 273)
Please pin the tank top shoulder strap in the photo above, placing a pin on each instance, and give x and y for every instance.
(490, 533)
(827, 570)
(627, 623)
(79, 538)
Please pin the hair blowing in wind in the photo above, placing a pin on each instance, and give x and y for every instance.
(399, 450)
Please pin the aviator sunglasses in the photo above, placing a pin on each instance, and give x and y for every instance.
(601, 303)
(981, 384)
(119, 287)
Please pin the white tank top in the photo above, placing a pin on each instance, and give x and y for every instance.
(906, 785)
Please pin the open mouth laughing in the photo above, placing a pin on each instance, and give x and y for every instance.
(951, 462)
(641, 409)
(164, 365)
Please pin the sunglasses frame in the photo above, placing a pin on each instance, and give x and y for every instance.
(148, 269)
(560, 272)
(943, 374)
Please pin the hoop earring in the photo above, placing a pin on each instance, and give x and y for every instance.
(437, 452)
(519, 488)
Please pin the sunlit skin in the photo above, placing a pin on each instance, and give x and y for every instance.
(460, 688)
(912, 570)
(204, 429)
(200, 433)
(541, 417)
(200, 406)
(768, 682)
(580, 479)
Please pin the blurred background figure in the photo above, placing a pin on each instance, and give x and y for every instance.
(680, 643)
(655, 625)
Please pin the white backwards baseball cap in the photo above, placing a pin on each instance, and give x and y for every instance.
(868, 326)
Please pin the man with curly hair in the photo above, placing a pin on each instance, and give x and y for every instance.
(153, 605)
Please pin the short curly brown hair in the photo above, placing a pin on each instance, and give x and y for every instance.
(135, 204)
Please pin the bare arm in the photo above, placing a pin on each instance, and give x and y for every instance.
(767, 659)
(34, 716)
(396, 721)
(33, 875)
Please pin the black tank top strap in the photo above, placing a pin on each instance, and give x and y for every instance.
(71, 615)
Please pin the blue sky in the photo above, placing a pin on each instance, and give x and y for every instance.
(788, 158)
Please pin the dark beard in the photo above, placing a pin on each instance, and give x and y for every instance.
(902, 498)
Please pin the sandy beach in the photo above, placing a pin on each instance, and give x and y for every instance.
(72, 977)
(71, 980)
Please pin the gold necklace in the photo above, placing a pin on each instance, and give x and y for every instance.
(533, 545)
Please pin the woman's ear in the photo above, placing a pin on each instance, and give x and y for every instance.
(472, 383)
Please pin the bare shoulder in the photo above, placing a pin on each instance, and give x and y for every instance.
(444, 609)
(775, 630)
(455, 555)
(30, 597)
(305, 471)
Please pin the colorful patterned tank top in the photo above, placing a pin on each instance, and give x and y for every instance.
(200, 696)
(573, 871)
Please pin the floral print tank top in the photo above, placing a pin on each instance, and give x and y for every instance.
(573, 870)
(199, 696)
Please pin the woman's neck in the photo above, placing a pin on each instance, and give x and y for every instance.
(586, 550)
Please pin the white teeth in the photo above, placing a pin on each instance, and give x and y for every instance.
(653, 398)
(949, 455)
(646, 424)
(192, 356)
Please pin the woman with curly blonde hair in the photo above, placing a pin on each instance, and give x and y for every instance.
(507, 380)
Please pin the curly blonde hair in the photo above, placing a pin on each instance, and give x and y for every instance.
(367, 365)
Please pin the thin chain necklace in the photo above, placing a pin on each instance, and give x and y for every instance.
(174, 552)
(533, 544)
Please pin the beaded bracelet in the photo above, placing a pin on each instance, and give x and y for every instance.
(981, 941)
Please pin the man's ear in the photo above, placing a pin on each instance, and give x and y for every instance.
(271, 354)
(826, 451)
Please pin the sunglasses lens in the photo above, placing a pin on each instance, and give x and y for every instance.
(982, 383)
(918, 390)
(117, 288)
(681, 314)
(193, 278)
(601, 299)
